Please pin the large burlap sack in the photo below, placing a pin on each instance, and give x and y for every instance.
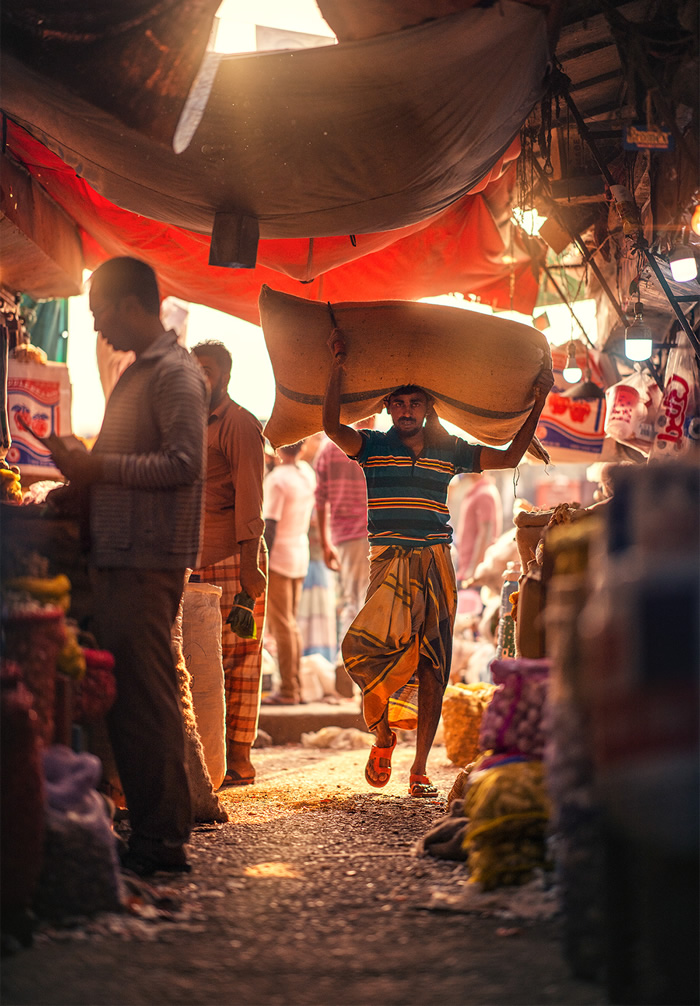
(463, 707)
(205, 803)
(480, 369)
(201, 643)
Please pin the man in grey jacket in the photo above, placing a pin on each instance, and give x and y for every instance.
(144, 478)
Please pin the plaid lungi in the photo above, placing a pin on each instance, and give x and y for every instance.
(242, 658)
(408, 618)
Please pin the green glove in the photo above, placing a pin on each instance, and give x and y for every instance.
(240, 617)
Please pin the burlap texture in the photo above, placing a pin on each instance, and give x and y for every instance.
(479, 368)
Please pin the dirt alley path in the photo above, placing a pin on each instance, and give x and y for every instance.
(309, 895)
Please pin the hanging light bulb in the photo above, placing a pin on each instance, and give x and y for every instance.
(684, 268)
(587, 388)
(695, 221)
(571, 372)
(638, 336)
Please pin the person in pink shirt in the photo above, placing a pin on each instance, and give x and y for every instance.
(341, 514)
(480, 523)
(288, 500)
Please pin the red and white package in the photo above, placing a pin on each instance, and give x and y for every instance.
(632, 406)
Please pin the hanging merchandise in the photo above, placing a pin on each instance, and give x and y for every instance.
(38, 397)
(632, 406)
(572, 429)
(678, 419)
(506, 623)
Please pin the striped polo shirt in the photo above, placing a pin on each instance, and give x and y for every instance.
(407, 495)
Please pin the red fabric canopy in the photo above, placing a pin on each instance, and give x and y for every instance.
(460, 249)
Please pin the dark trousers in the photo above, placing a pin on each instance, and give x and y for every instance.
(134, 613)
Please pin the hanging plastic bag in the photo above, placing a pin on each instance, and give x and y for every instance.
(632, 405)
(678, 419)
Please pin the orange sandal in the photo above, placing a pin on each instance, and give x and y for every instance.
(421, 786)
(380, 762)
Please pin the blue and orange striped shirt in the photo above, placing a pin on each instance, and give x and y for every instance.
(407, 495)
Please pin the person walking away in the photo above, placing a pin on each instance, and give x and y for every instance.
(144, 480)
(234, 555)
(480, 523)
(288, 499)
(317, 615)
(400, 643)
(341, 516)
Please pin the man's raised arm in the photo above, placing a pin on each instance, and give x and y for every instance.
(491, 458)
(348, 439)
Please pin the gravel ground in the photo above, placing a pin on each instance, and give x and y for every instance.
(310, 894)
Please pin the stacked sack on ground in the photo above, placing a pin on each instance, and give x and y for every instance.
(499, 807)
(506, 800)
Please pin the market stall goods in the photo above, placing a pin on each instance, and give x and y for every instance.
(34, 637)
(81, 873)
(513, 720)
(508, 809)
(21, 806)
(463, 707)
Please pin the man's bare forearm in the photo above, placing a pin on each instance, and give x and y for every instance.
(252, 578)
(345, 437)
(493, 459)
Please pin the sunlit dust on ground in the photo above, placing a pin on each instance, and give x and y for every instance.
(285, 870)
(265, 804)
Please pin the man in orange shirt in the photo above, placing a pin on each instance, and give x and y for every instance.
(233, 555)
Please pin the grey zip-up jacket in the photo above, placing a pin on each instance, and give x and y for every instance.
(146, 510)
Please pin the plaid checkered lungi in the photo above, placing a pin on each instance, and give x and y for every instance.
(408, 618)
(242, 658)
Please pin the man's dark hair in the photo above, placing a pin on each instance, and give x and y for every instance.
(217, 351)
(408, 389)
(125, 276)
(292, 449)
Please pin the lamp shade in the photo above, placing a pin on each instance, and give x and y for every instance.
(684, 268)
(638, 340)
(571, 372)
(585, 389)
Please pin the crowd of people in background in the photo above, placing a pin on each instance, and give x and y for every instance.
(319, 541)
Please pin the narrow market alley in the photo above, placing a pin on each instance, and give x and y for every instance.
(311, 894)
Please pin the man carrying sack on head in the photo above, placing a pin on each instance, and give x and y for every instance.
(399, 648)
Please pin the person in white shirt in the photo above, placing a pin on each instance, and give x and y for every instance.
(288, 501)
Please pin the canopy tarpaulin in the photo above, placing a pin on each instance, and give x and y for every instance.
(353, 19)
(136, 59)
(462, 249)
(356, 138)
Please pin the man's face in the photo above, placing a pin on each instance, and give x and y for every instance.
(408, 412)
(108, 321)
(216, 379)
